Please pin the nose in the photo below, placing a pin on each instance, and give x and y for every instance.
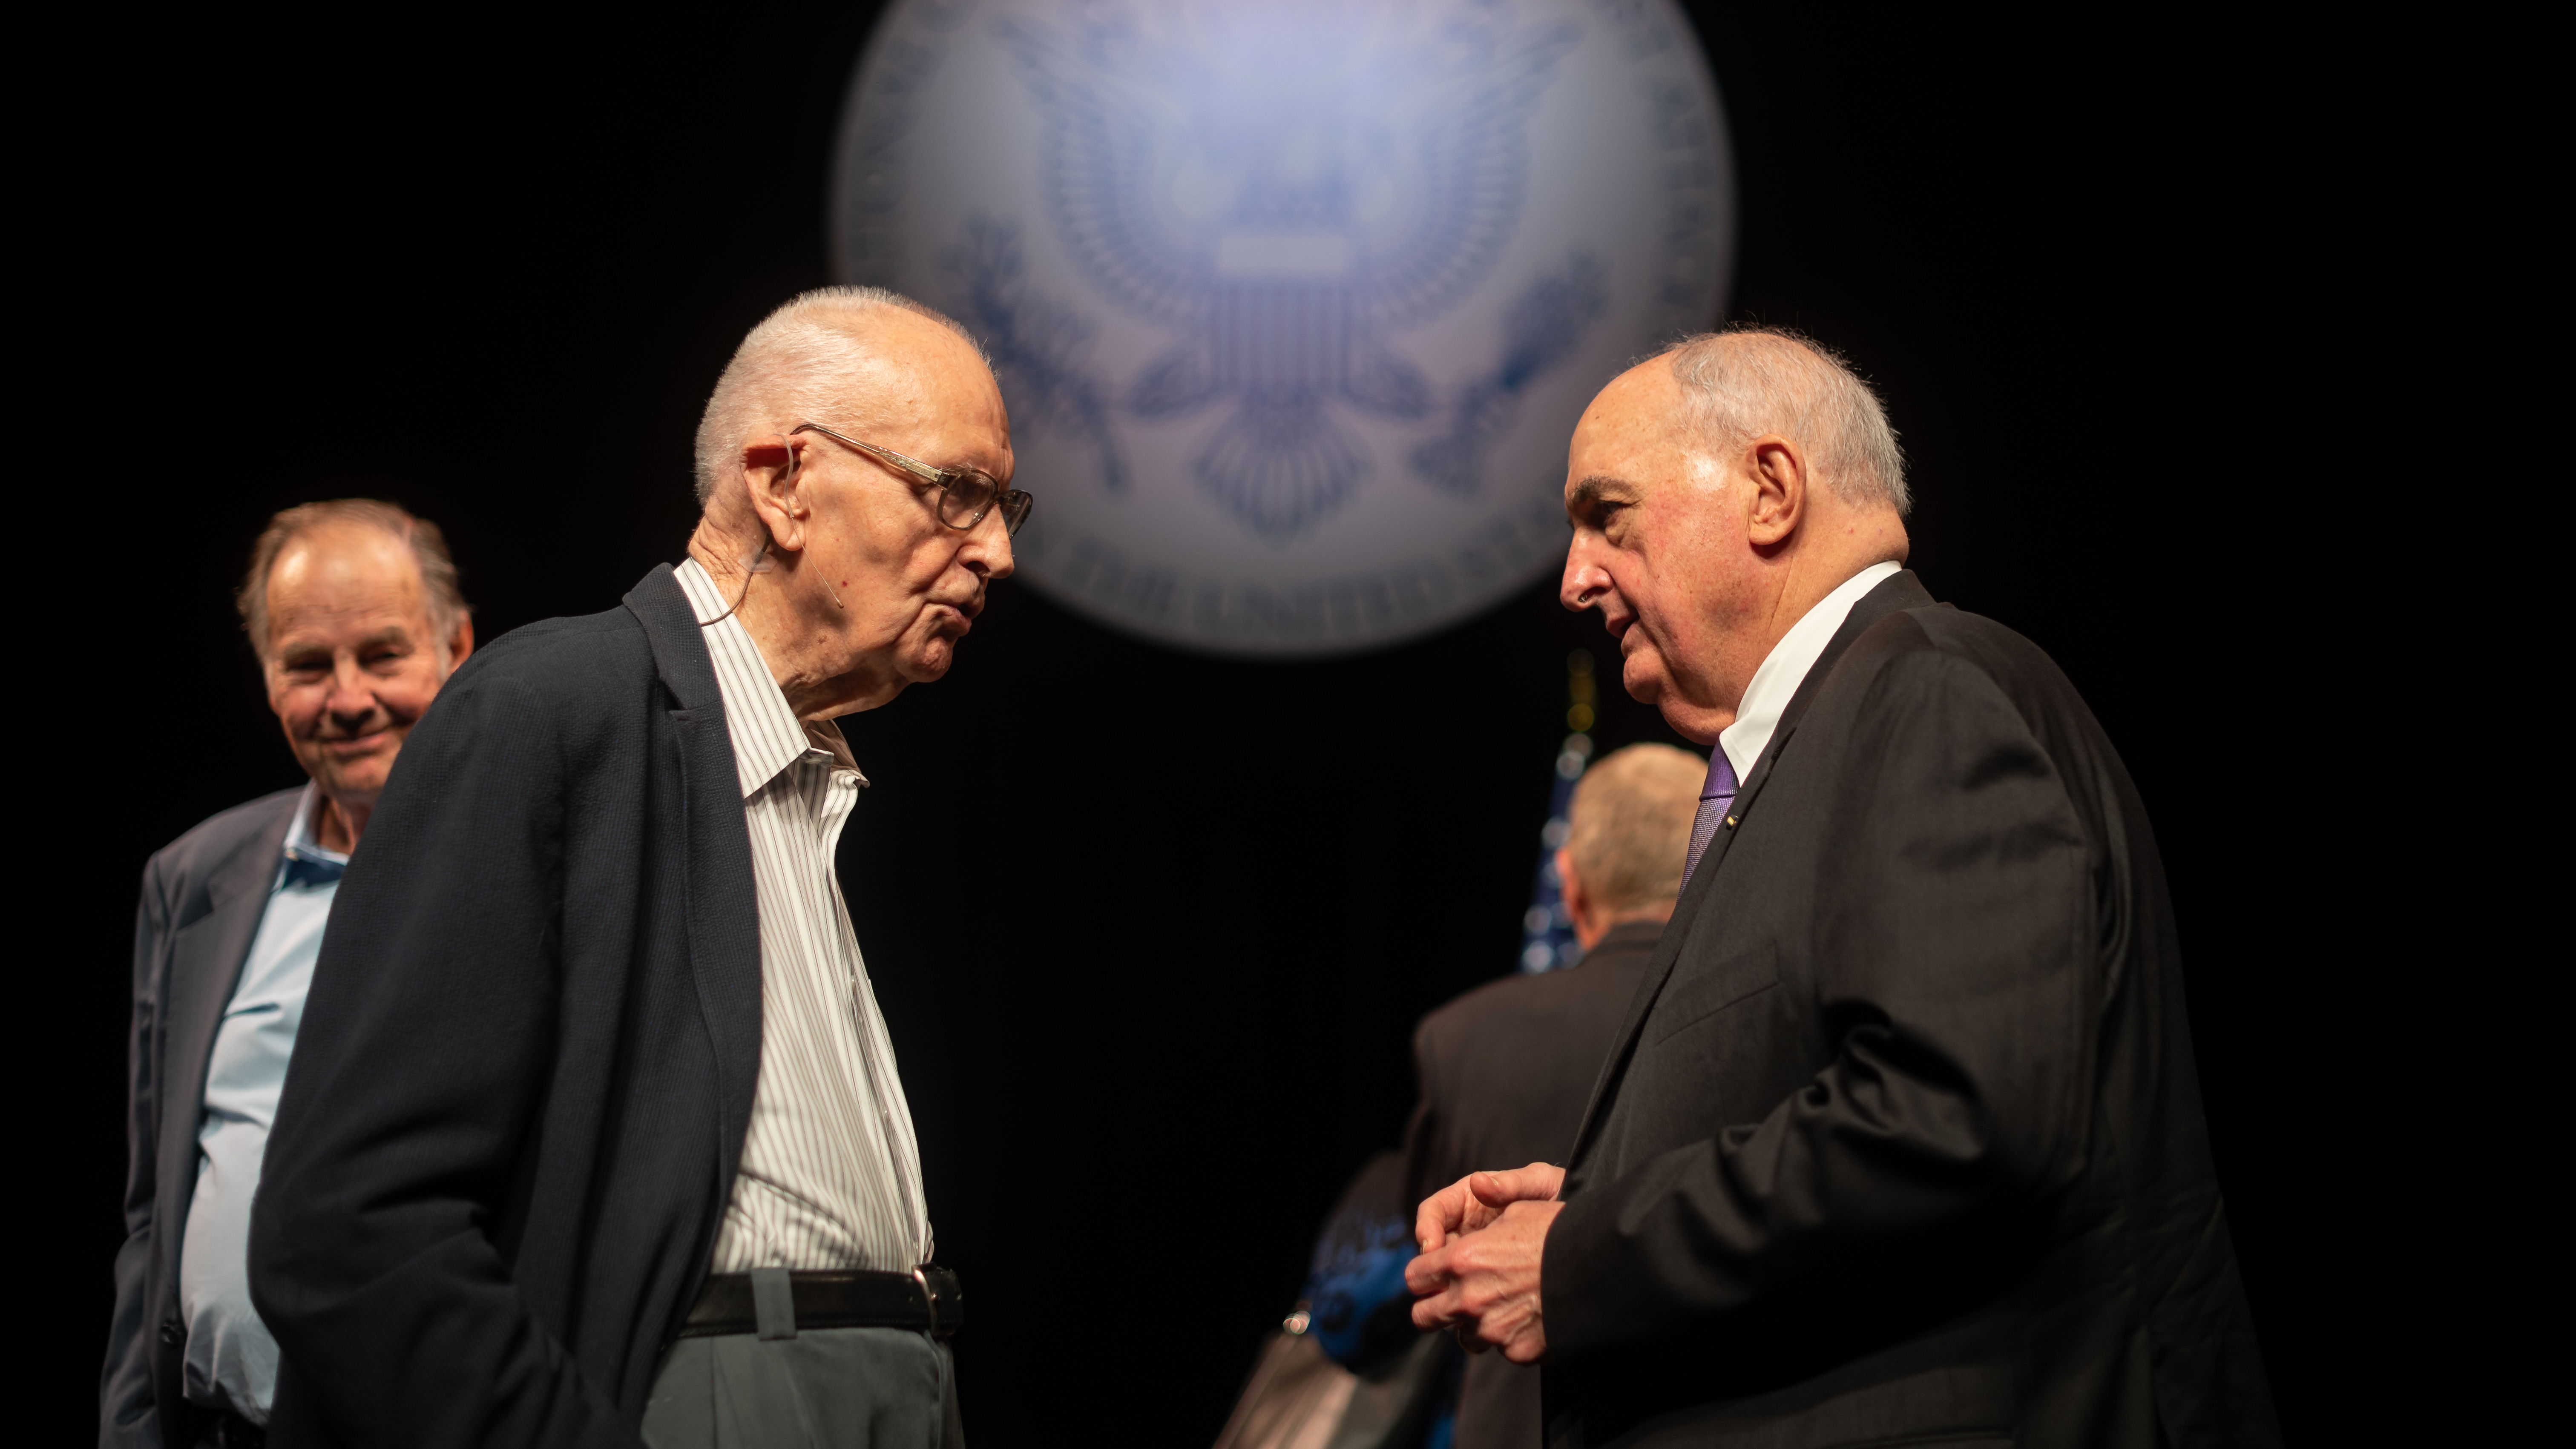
(987, 553)
(351, 699)
(1584, 583)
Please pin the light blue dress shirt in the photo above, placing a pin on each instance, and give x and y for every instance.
(232, 1361)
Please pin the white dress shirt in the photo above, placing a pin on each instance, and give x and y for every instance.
(830, 1174)
(231, 1360)
(1786, 666)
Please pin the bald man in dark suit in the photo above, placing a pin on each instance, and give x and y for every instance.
(1900, 1139)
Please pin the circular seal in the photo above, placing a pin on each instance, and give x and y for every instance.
(1294, 302)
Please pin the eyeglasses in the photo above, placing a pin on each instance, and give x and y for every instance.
(965, 495)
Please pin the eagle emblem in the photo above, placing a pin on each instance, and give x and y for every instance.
(1281, 191)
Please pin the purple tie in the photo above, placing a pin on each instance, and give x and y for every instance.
(1715, 799)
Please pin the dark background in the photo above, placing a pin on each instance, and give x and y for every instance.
(1153, 929)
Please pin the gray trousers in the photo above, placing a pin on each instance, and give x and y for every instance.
(845, 1388)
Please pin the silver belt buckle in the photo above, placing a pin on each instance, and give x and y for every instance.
(927, 1301)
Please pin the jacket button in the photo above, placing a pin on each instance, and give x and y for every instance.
(172, 1334)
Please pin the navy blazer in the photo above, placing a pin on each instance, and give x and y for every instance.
(1901, 1140)
(526, 1064)
(203, 897)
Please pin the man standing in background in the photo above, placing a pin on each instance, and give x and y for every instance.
(1506, 1068)
(354, 612)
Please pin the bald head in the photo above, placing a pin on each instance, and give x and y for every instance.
(844, 355)
(1717, 492)
(831, 464)
(1736, 386)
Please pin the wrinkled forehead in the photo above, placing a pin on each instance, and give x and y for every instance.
(342, 573)
(1634, 432)
(934, 400)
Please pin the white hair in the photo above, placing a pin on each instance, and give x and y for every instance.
(795, 367)
(1631, 820)
(1748, 381)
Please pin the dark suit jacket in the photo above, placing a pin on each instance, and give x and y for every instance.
(1505, 1071)
(526, 1064)
(203, 896)
(1901, 1136)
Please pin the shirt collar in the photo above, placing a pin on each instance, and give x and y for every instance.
(767, 737)
(1786, 666)
(300, 844)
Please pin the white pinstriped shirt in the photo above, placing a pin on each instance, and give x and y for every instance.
(831, 1174)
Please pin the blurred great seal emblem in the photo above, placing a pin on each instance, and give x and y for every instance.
(1294, 302)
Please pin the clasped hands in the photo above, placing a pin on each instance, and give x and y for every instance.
(1482, 1239)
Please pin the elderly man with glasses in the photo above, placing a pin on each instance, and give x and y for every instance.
(595, 1131)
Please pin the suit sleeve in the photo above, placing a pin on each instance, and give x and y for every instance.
(414, 1093)
(1423, 1131)
(127, 1415)
(1953, 975)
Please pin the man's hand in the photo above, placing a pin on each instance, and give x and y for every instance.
(1482, 1240)
(1478, 1198)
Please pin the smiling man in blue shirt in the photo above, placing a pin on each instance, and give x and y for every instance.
(354, 611)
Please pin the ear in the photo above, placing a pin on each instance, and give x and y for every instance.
(460, 643)
(1779, 497)
(1570, 886)
(769, 477)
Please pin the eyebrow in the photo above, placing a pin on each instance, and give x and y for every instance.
(390, 634)
(1595, 489)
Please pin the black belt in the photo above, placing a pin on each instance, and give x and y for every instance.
(927, 1299)
(232, 1431)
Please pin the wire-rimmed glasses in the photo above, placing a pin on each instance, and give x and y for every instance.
(965, 495)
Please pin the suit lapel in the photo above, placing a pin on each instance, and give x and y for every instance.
(722, 907)
(206, 958)
(1901, 590)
